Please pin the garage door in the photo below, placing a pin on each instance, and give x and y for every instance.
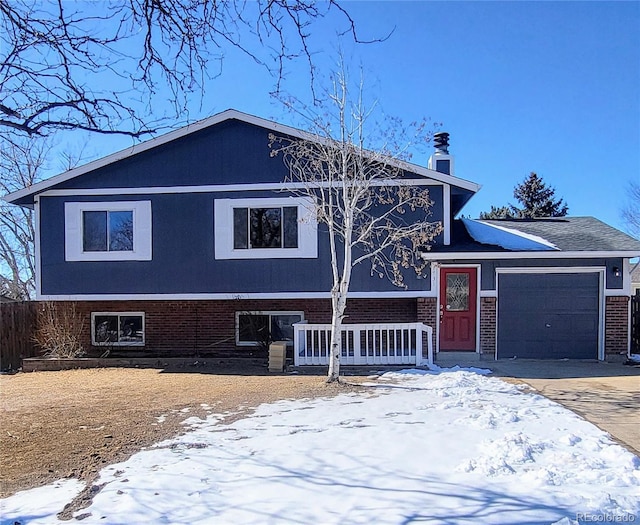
(548, 316)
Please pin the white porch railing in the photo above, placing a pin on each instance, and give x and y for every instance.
(364, 344)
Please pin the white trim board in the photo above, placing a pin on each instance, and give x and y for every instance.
(36, 248)
(228, 296)
(472, 256)
(552, 269)
(220, 188)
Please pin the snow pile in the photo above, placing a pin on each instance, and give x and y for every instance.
(438, 447)
(507, 238)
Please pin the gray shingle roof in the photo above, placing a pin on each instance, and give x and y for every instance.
(574, 234)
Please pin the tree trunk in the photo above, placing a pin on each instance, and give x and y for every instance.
(339, 303)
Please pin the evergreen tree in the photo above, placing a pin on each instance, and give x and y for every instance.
(537, 200)
(503, 212)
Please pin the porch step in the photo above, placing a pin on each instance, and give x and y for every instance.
(462, 359)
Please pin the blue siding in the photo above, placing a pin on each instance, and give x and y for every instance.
(488, 280)
(183, 256)
(231, 152)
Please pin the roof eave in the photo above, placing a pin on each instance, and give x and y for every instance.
(544, 254)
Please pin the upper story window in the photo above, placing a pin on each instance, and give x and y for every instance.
(265, 227)
(108, 231)
(269, 228)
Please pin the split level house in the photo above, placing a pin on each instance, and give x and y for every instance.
(157, 247)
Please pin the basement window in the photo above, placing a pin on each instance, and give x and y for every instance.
(117, 328)
(262, 328)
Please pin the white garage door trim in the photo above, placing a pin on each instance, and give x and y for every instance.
(601, 270)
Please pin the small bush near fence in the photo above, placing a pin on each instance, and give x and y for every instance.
(17, 326)
(58, 331)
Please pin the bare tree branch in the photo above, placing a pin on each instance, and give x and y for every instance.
(81, 65)
(371, 212)
(22, 164)
(631, 212)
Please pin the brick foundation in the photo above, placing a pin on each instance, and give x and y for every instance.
(427, 313)
(207, 328)
(616, 333)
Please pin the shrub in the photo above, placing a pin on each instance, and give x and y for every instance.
(59, 330)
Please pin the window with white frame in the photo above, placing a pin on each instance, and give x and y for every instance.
(265, 228)
(108, 231)
(261, 328)
(117, 328)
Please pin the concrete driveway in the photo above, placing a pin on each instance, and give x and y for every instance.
(606, 394)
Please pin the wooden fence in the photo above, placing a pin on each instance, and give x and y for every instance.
(635, 323)
(17, 325)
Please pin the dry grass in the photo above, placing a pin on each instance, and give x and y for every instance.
(72, 423)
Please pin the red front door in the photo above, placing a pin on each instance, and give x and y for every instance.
(458, 300)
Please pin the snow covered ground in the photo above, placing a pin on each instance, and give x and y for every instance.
(450, 446)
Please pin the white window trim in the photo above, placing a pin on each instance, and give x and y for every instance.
(260, 312)
(118, 343)
(307, 229)
(74, 250)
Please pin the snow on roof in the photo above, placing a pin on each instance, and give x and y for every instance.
(507, 238)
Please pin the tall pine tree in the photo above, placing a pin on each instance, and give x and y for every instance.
(537, 200)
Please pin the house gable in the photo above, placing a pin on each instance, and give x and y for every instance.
(210, 152)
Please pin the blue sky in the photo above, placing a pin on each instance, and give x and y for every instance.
(550, 87)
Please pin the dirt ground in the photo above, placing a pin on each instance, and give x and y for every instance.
(70, 424)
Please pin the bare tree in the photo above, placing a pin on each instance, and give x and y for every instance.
(372, 214)
(22, 164)
(631, 212)
(88, 66)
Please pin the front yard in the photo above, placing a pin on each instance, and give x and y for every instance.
(72, 423)
(443, 446)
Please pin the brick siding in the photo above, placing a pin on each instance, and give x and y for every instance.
(207, 328)
(427, 313)
(488, 325)
(616, 334)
